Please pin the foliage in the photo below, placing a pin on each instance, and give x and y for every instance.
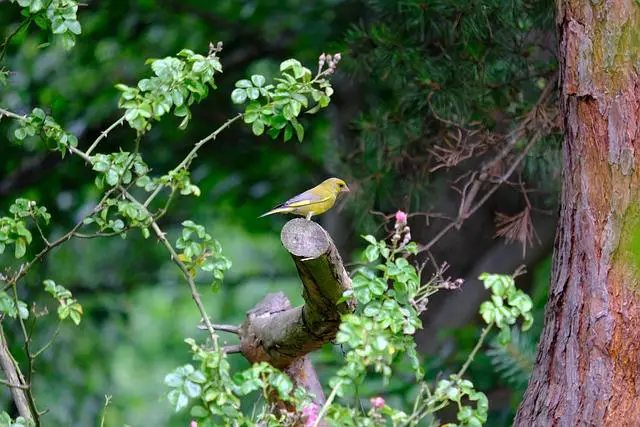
(58, 16)
(391, 296)
(514, 361)
(5, 420)
(13, 230)
(126, 191)
(69, 307)
(395, 309)
(200, 250)
(443, 79)
(178, 83)
(217, 393)
(282, 104)
(50, 132)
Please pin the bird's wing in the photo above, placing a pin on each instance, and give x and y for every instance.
(305, 199)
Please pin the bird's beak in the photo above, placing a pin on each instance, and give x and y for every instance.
(345, 190)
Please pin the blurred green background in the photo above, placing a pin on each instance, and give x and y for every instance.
(407, 68)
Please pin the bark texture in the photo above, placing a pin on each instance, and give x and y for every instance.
(587, 369)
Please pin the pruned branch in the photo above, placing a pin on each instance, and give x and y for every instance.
(283, 335)
(275, 332)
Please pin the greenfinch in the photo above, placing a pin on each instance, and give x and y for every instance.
(312, 202)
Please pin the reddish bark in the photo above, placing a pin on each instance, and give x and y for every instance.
(588, 362)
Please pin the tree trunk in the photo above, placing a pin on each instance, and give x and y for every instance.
(588, 362)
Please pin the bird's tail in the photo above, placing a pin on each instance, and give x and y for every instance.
(279, 209)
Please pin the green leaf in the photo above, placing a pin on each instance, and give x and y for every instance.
(20, 248)
(23, 310)
(299, 131)
(238, 96)
(192, 389)
(303, 100)
(250, 117)
(488, 312)
(377, 286)
(258, 80)
(73, 26)
(75, 316)
(371, 253)
(63, 312)
(199, 412)
(371, 239)
(20, 133)
(244, 83)
(178, 399)
(257, 127)
(253, 93)
(289, 63)
(278, 121)
(173, 380)
(288, 132)
(198, 377)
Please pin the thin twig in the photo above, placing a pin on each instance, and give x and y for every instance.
(26, 267)
(326, 405)
(192, 154)
(107, 400)
(470, 210)
(103, 135)
(44, 238)
(232, 329)
(174, 257)
(464, 368)
(50, 342)
(5, 44)
(232, 349)
(11, 114)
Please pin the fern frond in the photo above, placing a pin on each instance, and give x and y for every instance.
(514, 361)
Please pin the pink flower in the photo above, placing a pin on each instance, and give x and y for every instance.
(401, 217)
(310, 414)
(193, 423)
(377, 402)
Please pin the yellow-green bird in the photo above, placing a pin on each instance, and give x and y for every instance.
(312, 202)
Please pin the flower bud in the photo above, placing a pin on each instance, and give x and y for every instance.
(401, 217)
(377, 402)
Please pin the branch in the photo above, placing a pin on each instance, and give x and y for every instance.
(278, 334)
(232, 329)
(185, 272)
(282, 335)
(469, 205)
(15, 379)
(103, 135)
(192, 154)
(231, 349)
(24, 269)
